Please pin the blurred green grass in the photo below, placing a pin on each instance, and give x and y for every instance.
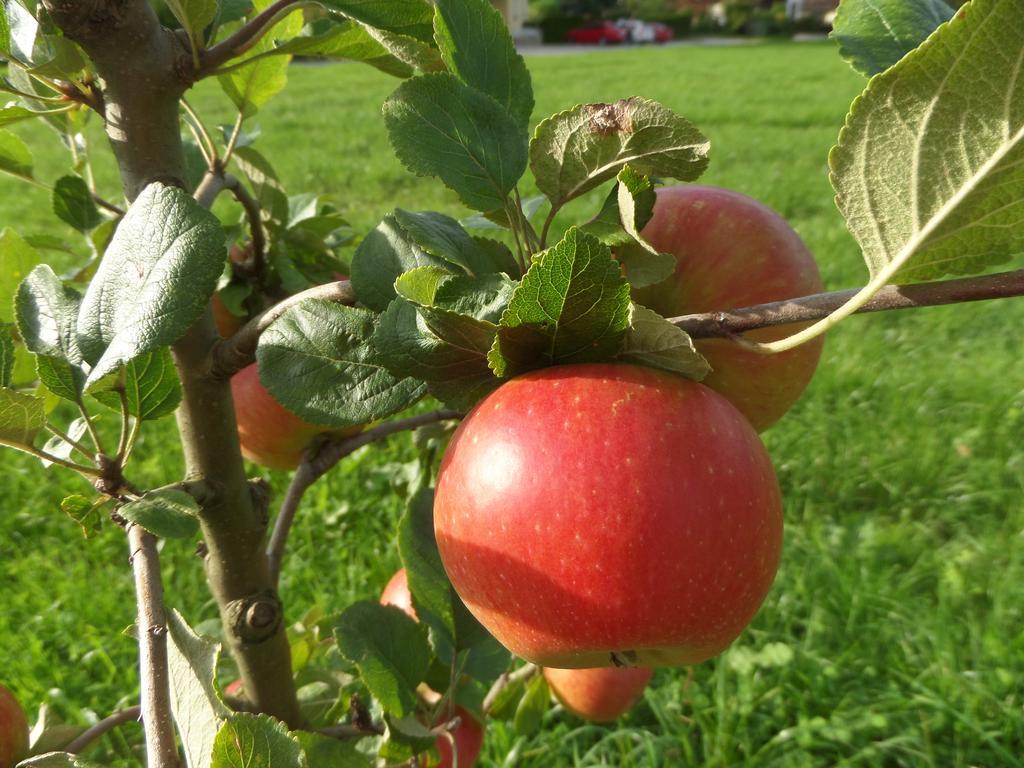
(894, 635)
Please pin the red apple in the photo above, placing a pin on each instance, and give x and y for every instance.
(14, 730)
(397, 593)
(469, 738)
(733, 251)
(592, 515)
(270, 434)
(227, 323)
(599, 695)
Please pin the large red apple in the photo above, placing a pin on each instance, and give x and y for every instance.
(733, 251)
(270, 434)
(13, 730)
(599, 695)
(591, 515)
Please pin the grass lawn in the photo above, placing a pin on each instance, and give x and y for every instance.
(894, 635)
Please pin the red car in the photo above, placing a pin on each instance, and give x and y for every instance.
(597, 33)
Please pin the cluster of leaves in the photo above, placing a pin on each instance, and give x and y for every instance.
(452, 314)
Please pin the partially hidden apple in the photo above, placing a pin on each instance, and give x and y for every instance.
(469, 734)
(270, 434)
(13, 730)
(469, 739)
(599, 695)
(733, 251)
(604, 514)
(396, 592)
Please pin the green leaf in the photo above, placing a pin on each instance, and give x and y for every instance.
(155, 280)
(251, 86)
(57, 760)
(571, 306)
(443, 237)
(478, 49)
(652, 340)
(432, 593)
(265, 184)
(346, 40)
(628, 207)
(390, 650)
(21, 417)
(383, 255)
(875, 34)
(197, 709)
(73, 203)
(440, 127)
(327, 752)
(61, 448)
(255, 741)
(576, 150)
(194, 16)
(47, 315)
(642, 267)
(167, 513)
(507, 701)
(457, 376)
(15, 157)
(50, 732)
(935, 196)
(404, 737)
(150, 383)
(7, 354)
(412, 18)
(13, 114)
(317, 361)
(445, 339)
(17, 259)
(408, 50)
(533, 705)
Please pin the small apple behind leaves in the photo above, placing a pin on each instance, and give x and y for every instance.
(599, 695)
(733, 251)
(469, 734)
(469, 739)
(396, 592)
(270, 434)
(604, 514)
(13, 730)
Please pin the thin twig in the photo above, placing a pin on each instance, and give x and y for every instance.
(90, 427)
(505, 680)
(31, 450)
(236, 131)
(83, 450)
(255, 216)
(208, 189)
(103, 203)
(161, 750)
(229, 356)
(243, 38)
(126, 715)
(201, 133)
(315, 466)
(351, 731)
(808, 308)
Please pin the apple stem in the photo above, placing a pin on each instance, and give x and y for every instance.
(322, 459)
(730, 323)
(109, 723)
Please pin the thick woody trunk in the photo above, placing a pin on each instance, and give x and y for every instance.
(144, 70)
